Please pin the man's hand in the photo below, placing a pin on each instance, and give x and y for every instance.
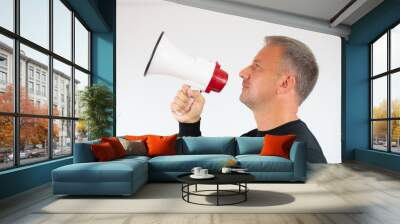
(187, 105)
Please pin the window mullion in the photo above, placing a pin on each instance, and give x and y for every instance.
(50, 87)
(389, 106)
(73, 82)
(16, 84)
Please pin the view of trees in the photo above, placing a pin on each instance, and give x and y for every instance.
(380, 127)
(33, 131)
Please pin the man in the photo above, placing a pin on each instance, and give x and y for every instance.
(275, 84)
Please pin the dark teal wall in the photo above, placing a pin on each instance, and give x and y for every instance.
(24, 178)
(103, 52)
(99, 16)
(103, 63)
(356, 84)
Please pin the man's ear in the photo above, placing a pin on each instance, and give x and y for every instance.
(286, 82)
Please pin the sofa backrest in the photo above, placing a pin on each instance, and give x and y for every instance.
(83, 152)
(206, 145)
(249, 145)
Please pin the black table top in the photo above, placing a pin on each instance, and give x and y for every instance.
(220, 178)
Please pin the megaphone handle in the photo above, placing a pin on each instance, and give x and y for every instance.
(191, 101)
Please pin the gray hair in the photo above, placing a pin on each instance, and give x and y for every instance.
(301, 60)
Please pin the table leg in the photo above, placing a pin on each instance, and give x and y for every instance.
(196, 188)
(217, 194)
(245, 193)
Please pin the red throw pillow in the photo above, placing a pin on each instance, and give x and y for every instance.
(116, 145)
(161, 145)
(103, 152)
(277, 145)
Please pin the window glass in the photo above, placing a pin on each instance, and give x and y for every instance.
(34, 21)
(81, 45)
(33, 140)
(62, 91)
(81, 82)
(62, 29)
(379, 93)
(379, 135)
(6, 142)
(6, 74)
(7, 14)
(62, 137)
(30, 58)
(395, 47)
(379, 55)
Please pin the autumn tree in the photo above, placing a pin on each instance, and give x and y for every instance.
(380, 127)
(33, 131)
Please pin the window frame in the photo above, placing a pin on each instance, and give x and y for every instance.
(388, 74)
(15, 72)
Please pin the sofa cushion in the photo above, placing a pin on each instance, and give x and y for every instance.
(185, 163)
(111, 171)
(257, 163)
(249, 145)
(206, 145)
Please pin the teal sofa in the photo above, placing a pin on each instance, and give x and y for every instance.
(125, 176)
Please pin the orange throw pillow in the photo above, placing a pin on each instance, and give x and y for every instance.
(116, 145)
(161, 145)
(103, 152)
(277, 145)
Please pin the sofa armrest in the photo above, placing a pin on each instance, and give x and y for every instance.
(299, 157)
(83, 152)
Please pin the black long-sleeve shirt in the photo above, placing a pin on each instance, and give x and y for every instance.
(297, 127)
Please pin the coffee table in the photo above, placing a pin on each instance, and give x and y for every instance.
(238, 179)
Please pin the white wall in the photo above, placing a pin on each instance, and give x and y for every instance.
(143, 103)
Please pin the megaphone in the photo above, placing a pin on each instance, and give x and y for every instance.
(168, 60)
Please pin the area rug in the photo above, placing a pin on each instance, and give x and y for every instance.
(167, 198)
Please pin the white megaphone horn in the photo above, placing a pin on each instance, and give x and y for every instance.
(166, 59)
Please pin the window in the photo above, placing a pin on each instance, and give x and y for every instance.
(3, 72)
(37, 74)
(43, 77)
(6, 142)
(385, 91)
(34, 21)
(30, 87)
(7, 14)
(44, 131)
(6, 73)
(44, 91)
(62, 29)
(30, 72)
(3, 78)
(3, 61)
(62, 137)
(62, 75)
(37, 89)
(81, 45)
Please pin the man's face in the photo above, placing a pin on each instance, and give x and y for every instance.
(260, 78)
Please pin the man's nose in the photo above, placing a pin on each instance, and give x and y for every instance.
(244, 74)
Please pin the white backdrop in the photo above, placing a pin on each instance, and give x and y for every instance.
(143, 103)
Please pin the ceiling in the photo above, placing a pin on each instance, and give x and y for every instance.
(326, 16)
